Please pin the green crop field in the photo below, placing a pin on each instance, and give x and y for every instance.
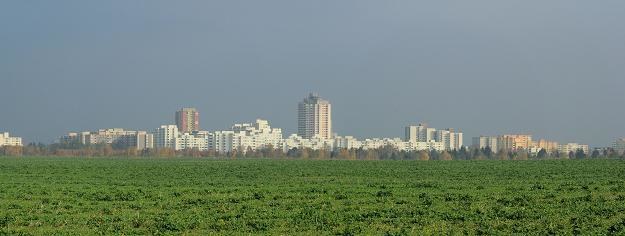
(43, 196)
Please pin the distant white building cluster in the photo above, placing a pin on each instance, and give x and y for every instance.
(260, 135)
(516, 142)
(420, 135)
(314, 131)
(115, 136)
(7, 140)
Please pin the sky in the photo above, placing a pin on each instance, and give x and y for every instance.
(554, 69)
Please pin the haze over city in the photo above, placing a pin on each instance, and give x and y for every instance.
(553, 69)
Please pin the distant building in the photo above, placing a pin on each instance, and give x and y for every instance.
(188, 120)
(197, 140)
(512, 142)
(418, 133)
(7, 140)
(619, 145)
(451, 139)
(244, 137)
(117, 137)
(314, 118)
(145, 140)
(224, 141)
(486, 141)
(347, 142)
(565, 149)
(549, 146)
(165, 136)
(315, 143)
(258, 135)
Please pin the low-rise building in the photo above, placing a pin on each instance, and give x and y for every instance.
(549, 146)
(572, 147)
(117, 137)
(7, 140)
(195, 140)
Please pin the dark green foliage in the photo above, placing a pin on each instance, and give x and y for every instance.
(86, 196)
(542, 153)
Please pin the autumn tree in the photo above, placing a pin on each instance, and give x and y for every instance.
(521, 155)
(343, 154)
(502, 154)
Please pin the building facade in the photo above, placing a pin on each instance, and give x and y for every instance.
(165, 136)
(7, 140)
(314, 118)
(619, 145)
(247, 136)
(117, 137)
(565, 149)
(512, 142)
(549, 146)
(196, 140)
(450, 139)
(486, 141)
(188, 120)
(145, 140)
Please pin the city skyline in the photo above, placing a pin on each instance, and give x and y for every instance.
(488, 67)
(421, 132)
(314, 127)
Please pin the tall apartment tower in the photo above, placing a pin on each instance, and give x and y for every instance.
(188, 120)
(420, 133)
(314, 117)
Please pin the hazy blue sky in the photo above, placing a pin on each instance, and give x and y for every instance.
(555, 69)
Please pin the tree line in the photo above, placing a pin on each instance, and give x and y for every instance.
(383, 153)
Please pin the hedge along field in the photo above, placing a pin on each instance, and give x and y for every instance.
(42, 196)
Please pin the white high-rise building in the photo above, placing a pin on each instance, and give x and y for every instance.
(224, 141)
(314, 118)
(7, 140)
(418, 133)
(459, 137)
(486, 141)
(145, 140)
(451, 140)
(429, 135)
(165, 136)
(619, 145)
